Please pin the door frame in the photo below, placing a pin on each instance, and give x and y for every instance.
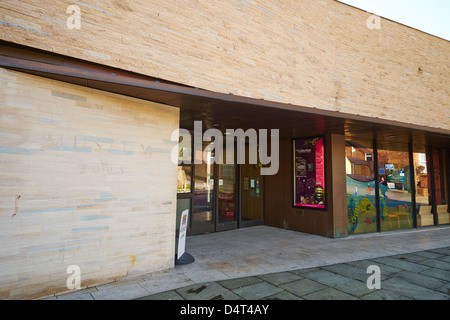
(214, 225)
(256, 222)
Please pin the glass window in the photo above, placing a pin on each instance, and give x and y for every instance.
(395, 190)
(204, 189)
(184, 179)
(361, 204)
(184, 148)
(424, 213)
(227, 181)
(441, 185)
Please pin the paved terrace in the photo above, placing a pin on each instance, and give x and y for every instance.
(270, 263)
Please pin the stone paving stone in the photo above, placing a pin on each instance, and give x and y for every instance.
(407, 289)
(242, 271)
(410, 257)
(348, 270)
(327, 278)
(445, 289)
(329, 294)
(300, 272)
(239, 282)
(444, 251)
(126, 292)
(437, 273)
(427, 254)
(201, 275)
(355, 288)
(420, 279)
(166, 282)
(384, 295)
(79, 296)
(436, 264)
(168, 295)
(257, 291)
(283, 295)
(445, 258)
(386, 270)
(206, 291)
(302, 287)
(401, 264)
(279, 277)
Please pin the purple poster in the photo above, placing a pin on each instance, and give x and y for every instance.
(309, 173)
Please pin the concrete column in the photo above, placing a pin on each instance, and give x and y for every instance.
(337, 196)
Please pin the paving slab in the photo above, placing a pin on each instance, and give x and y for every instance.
(302, 287)
(327, 278)
(401, 264)
(167, 295)
(444, 251)
(283, 295)
(435, 263)
(445, 289)
(257, 291)
(405, 288)
(79, 296)
(386, 270)
(206, 291)
(355, 288)
(239, 282)
(329, 294)
(385, 295)
(428, 254)
(126, 292)
(411, 257)
(279, 277)
(437, 273)
(421, 279)
(445, 258)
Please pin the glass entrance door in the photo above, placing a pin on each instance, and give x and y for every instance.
(396, 209)
(203, 198)
(251, 195)
(440, 178)
(226, 208)
(214, 196)
(218, 196)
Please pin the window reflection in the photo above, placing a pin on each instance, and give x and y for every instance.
(204, 189)
(184, 179)
(424, 213)
(361, 205)
(395, 190)
(441, 185)
(226, 192)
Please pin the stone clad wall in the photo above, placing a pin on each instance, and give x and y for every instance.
(310, 53)
(86, 179)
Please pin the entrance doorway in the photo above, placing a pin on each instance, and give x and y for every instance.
(219, 196)
(251, 195)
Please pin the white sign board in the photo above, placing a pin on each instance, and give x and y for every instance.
(182, 236)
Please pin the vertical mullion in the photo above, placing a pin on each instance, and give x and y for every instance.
(412, 178)
(191, 207)
(433, 187)
(238, 195)
(377, 186)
